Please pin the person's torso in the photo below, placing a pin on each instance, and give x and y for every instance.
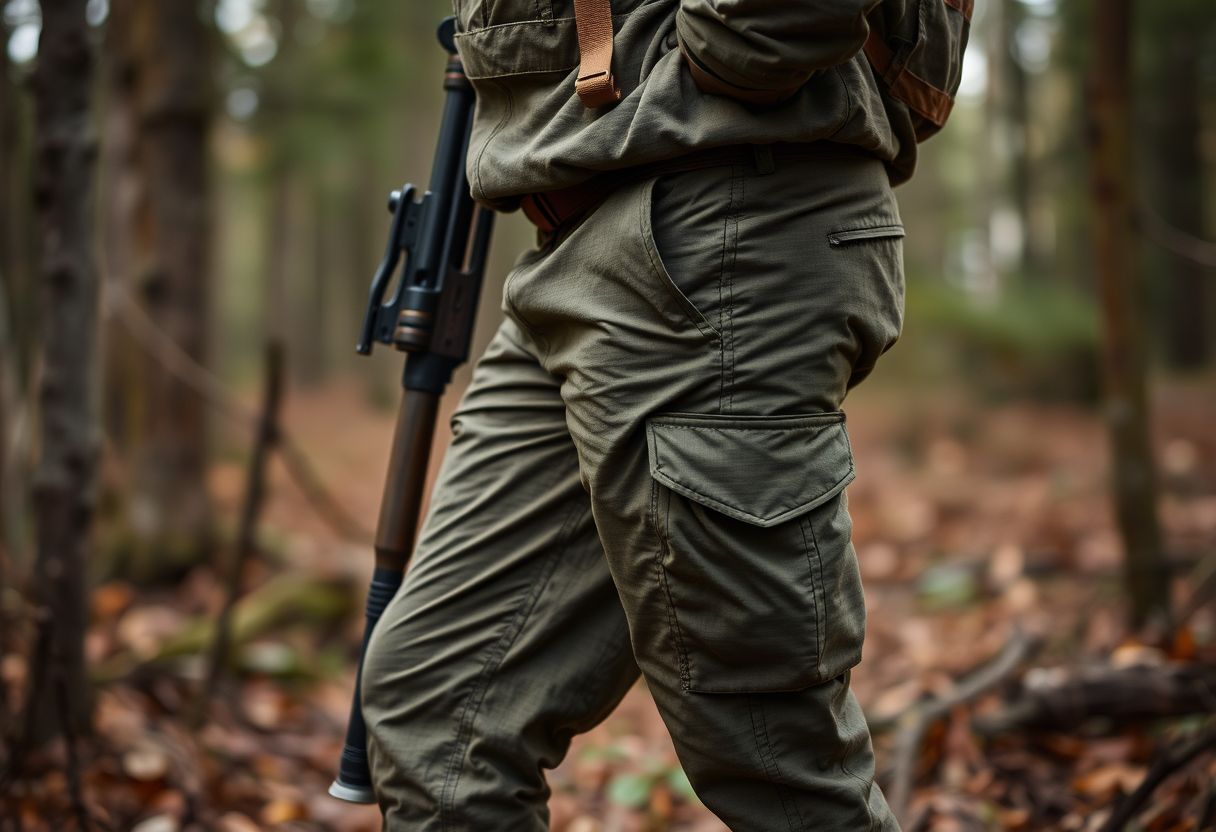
(531, 132)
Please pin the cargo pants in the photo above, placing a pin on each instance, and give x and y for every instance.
(648, 472)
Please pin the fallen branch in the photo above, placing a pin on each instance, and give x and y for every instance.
(913, 723)
(1119, 694)
(1202, 582)
(180, 364)
(255, 490)
(1175, 757)
(284, 601)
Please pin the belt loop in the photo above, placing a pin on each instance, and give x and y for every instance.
(763, 156)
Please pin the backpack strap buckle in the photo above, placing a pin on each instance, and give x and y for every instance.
(595, 84)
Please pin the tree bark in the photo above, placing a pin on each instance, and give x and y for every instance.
(64, 484)
(167, 72)
(1112, 174)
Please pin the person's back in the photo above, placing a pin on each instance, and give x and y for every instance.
(648, 469)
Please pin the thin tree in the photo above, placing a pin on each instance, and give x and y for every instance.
(1112, 174)
(64, 483)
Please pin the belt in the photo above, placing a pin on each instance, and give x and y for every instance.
(552, 210)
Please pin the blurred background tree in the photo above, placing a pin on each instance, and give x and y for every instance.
(157, 213)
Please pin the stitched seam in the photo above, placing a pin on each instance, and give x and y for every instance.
(616, 18)
(848, 103)
(724, 428)
(773, 756)
(722, 308)
(691, 313)
(768, 760)
(672, 621)
(817, 588)
(733, 227)
(498, 651)
(497, 129)
(522, 320)
(743, 514)
(868, 787)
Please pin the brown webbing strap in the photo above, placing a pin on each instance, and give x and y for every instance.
(922, 97)
(595, 85)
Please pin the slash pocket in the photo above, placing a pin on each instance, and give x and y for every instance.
(756, 558)
(857, 235)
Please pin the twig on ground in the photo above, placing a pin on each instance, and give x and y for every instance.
(917, 719)
(1174, 758)
(1202, 582)
(1120, 694)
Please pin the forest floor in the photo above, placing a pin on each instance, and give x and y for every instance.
(972, 523)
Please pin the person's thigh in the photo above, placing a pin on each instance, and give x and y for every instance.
(707, 326)
(508, 636)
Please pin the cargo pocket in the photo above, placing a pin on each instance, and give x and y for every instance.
(755, 552)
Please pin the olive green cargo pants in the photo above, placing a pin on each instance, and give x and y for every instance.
(648, 471)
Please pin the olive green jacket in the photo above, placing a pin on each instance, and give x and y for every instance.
(531, 133)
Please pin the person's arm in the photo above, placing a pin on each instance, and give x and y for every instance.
(763, 51)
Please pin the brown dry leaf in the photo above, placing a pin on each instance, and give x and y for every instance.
(1109, 779)
(660, 803)
(146, 762)
(13, 671)
(1133, 654)
(111, 599)
(1015, 820)
(265, 705)
(283, 811)
(157, 823)
(1183, 647)
(236, 822)
(144, 629)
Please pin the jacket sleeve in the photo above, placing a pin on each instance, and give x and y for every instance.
(762, 51)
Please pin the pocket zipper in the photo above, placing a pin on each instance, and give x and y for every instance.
(839, 238)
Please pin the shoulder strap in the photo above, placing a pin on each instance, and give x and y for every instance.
(921, 96)
(595, 85)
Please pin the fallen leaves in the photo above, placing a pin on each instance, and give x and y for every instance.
(965, 521)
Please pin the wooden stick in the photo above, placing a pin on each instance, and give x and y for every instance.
(1175, 757)
(1120, 694)
(917, 719)
(255, 490)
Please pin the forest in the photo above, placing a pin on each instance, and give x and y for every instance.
(192, 454)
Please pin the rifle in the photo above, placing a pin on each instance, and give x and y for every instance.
(430, 314)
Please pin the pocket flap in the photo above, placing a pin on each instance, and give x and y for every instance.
(763, 470)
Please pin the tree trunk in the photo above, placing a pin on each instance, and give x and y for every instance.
(8, 363)
(168, 512)
(1022, 164)
(1112, 173)
(13, 495)
(1182, 196)
(119, 193)
(65, 479)
(17, 236)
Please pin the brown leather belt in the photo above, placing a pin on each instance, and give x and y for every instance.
(550, 211)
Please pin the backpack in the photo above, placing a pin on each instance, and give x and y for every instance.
(916, 51)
